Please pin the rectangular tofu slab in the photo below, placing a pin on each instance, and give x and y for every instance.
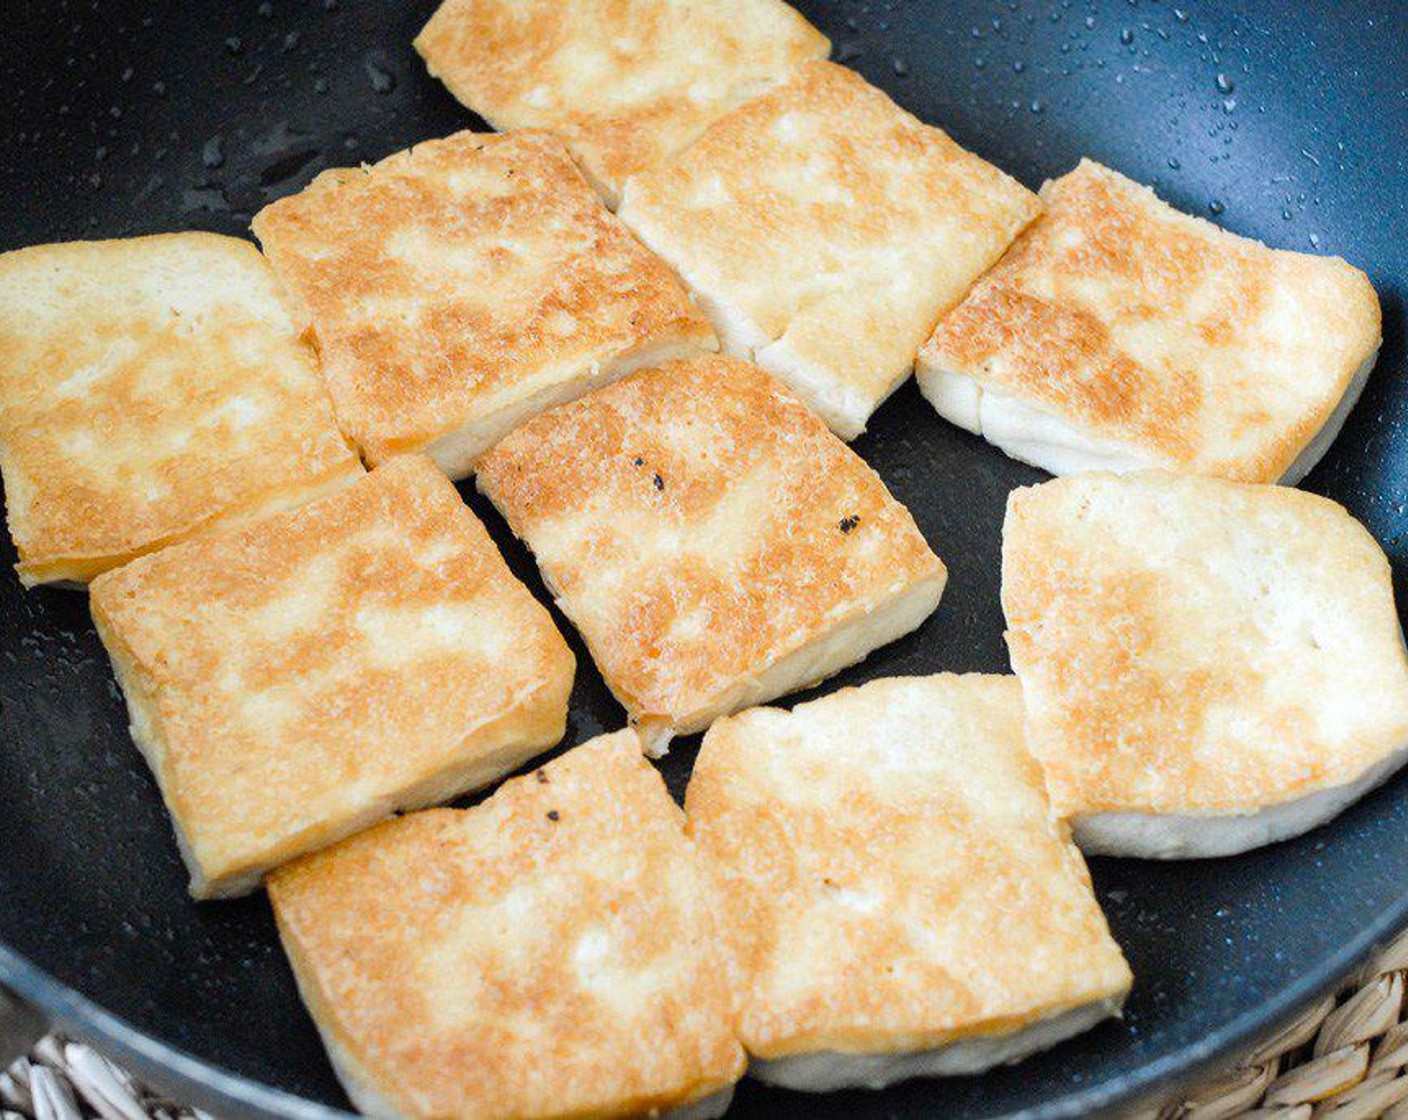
(459, 287)
(1119, 334)
(899, 895)
(1207, 665)
(551, 952)
(825, 230)
(713, 542)
(627, 83)
(151, 389)
(309, 674)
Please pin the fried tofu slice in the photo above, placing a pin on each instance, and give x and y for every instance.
(305, 676)
(1208, 666)
(151, 389)
(1120, 334)
(459, 287)
(713, 542)
(825, 230)
(900, 898)
(551, 952)
(627, 83)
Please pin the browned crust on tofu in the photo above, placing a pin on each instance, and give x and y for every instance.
(828, 230)
(462, 277)
(151, 389)
(300, 678)
(1138, 324)
(552, 952)
(1190, 645)
(627, 83)
(697, 524)
(893, 878)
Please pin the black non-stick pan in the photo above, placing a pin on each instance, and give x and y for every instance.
(1287, 121)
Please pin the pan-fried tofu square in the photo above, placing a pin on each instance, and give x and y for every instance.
(151, 389)
(1208, 666)
(305, 676)
(713, 542)
(551, 952)
(627, 83)
(825, 230)
(458, 287)
(900, 898)
(1119, 334)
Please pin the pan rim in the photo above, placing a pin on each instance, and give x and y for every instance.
(169, 1068)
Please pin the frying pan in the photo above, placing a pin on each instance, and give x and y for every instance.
(1286, 121)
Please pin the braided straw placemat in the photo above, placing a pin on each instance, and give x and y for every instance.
(1346, 1059)
(62, 1080)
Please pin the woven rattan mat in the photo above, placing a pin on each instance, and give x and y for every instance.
(1346, 1058)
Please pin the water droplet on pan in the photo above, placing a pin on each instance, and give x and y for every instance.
(213, 154)
(382, 80)
(848, 50)
(205, 198)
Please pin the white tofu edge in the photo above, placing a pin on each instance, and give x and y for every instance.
(1315, 450)
(1208, 835)
(1042, 439)
(705, 1108)
(825, 1070)
(365, 1098)
(844, 410)
(845, 644)
(455, 452)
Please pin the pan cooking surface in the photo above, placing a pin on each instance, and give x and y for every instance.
(1286, 124)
